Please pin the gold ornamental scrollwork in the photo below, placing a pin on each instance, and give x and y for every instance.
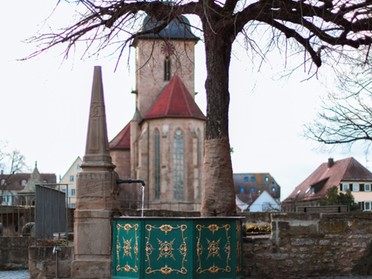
(127, 247)
(213, 248)
(166, 249)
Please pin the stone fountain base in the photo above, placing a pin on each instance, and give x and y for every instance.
(190, 247)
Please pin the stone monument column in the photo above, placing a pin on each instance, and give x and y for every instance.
(97, 195)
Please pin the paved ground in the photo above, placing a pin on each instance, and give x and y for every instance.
(19, 274)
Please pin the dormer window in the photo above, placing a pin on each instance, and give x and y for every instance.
(24, 182)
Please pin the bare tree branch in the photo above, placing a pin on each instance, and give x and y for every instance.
(347, 115)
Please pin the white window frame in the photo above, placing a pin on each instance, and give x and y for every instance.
(365, 205)
(356, 187)
(369, 187)
(345, 186)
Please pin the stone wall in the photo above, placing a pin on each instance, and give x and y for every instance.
(44, 264)
(299, 246)
(310, 245)
(13, 252)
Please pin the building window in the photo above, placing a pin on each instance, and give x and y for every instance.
(157, 163)
(72, 178)
(246, 179)
(355, 187)
(273, 189)
(167, 69)
(178, 165)
(253, 178)
(266, 178)
(73, 192)
(198, 148)
(367, 206)
(367, 187)
(24, 182)
(3, 182)
(345, 186)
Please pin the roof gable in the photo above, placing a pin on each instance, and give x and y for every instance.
(265, 197)
(122, 140)
(175, 101)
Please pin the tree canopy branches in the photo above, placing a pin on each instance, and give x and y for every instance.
(313, 24)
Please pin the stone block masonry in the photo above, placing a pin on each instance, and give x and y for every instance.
(13, 252)
(300, 246)
(308, 245)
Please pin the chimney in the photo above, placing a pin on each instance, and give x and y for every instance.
(331, 162)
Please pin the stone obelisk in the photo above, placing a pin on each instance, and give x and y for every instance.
(97, 195)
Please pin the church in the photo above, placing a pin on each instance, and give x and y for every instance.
(163, 143)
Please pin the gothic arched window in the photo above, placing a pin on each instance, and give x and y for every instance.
(157, 163)
(178, 165)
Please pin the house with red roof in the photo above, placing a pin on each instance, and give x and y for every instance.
(346, 174)
(163, 143)
(17, 188)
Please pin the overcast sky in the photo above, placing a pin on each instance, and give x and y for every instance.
(45, 103)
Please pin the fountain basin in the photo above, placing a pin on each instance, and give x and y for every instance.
(177, 247)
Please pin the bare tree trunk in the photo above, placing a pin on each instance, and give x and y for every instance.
(218, 196)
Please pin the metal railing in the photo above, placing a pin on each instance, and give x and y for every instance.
(17, 216)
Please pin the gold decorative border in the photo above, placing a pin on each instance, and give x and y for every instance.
(213, 248)
(166, 249)
(238, 247)
(127, 248)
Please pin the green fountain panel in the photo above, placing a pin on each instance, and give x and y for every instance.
(127, 247)
(176, 247)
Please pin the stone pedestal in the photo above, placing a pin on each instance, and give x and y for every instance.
(95, 207)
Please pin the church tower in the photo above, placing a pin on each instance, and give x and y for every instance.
(163, 144)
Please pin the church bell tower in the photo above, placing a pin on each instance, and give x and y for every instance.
(165, 146)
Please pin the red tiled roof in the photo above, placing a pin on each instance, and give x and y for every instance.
(326, 176)
(122, 140)
(175, 101)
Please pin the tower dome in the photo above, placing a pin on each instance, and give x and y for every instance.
(177, 29)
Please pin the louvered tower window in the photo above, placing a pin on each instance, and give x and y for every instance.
(178, 165)
(167, 68)
(157, 163)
